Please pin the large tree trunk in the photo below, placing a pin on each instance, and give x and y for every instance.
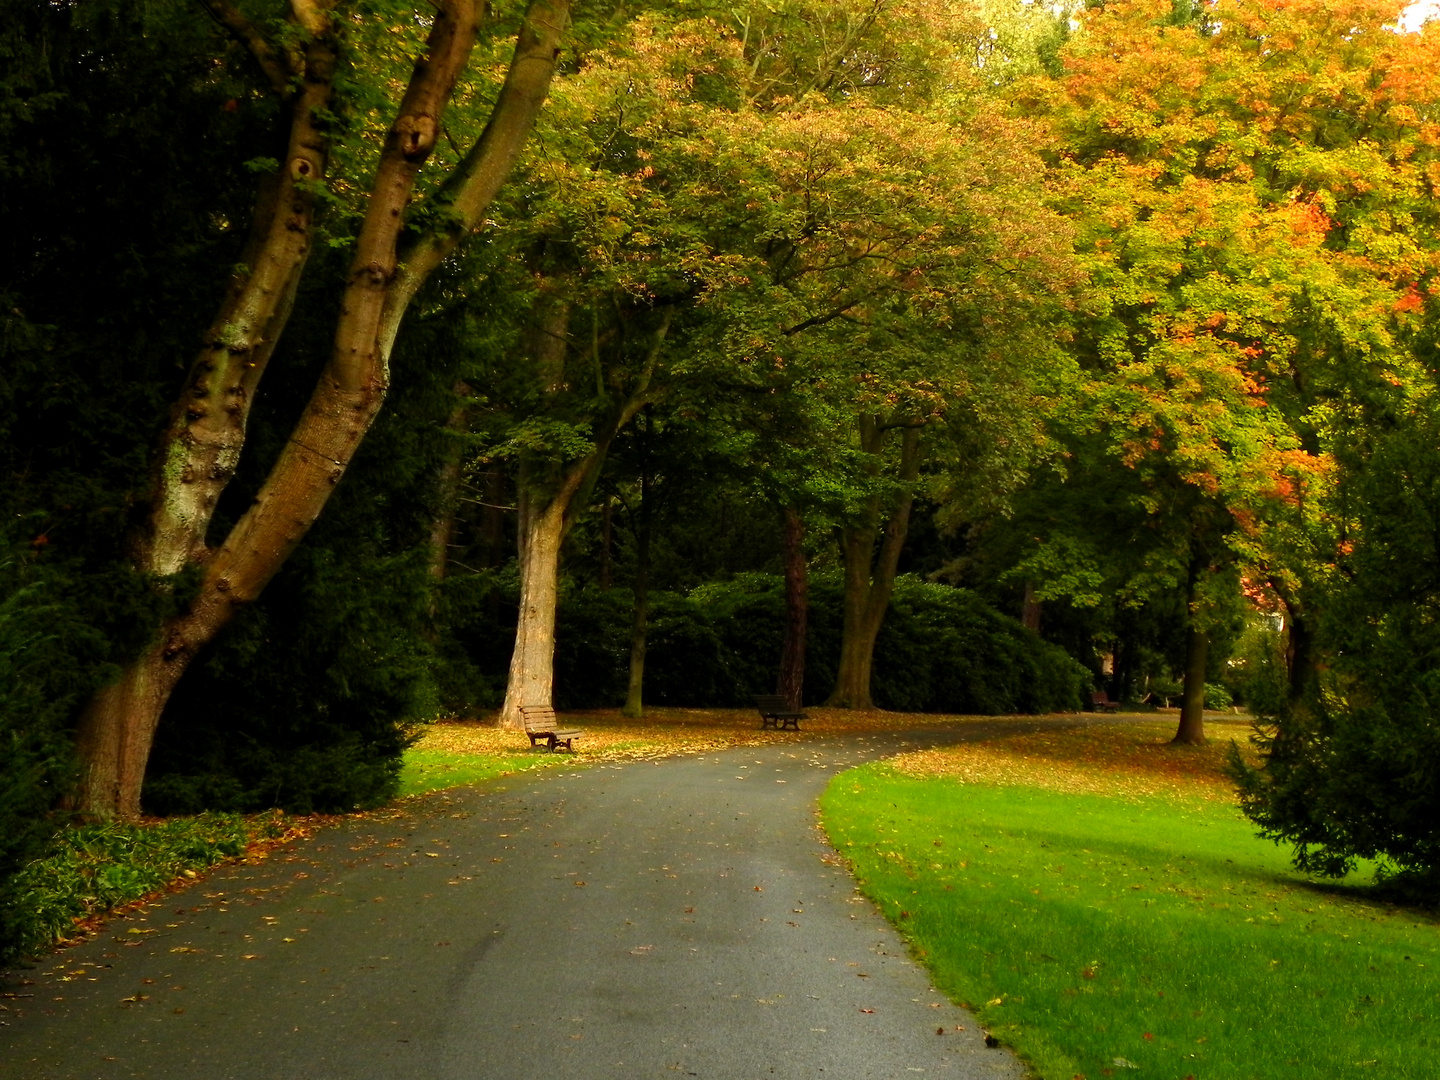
(1192, 705)
(532, 664)
(117, 727)
(1300, 663)
(791, 682)
(870, 576)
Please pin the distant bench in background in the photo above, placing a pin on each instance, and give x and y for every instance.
(775, 712)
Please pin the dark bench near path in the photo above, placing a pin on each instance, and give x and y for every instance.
(640, 920)
(775, 712)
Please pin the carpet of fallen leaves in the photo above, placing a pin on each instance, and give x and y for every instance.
(608, 736)
(1134, 760)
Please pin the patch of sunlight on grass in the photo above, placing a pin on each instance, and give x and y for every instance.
(1146, 937)
(435, 770)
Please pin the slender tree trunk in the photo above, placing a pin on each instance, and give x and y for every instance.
(791, 682)
(1300, 663)
(870, 577)
(447, 490)
(1192, 705)
(607, 541)
(1030, 609)
(491, 531)
(635, 692)
(117, 727)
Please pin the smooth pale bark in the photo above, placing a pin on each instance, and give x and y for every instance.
(870, 574)
(117, 727)
(1192, 705)
(547, 511)
(791, 682)
(532, 664)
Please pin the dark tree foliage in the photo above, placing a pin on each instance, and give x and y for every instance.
(305, 702)
(1351, 768)
(124, 199)
(48, 660)
(942, 649)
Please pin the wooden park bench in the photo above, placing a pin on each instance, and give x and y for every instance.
(540, 724)
(775, 712)
(1100, 702)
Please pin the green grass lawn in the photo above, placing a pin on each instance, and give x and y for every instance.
(433, 770)
(1140, 936)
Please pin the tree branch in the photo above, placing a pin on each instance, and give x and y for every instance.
(244, 31)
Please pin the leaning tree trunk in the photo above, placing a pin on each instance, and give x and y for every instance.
(117, 727)
(791, 683)
(870, 577)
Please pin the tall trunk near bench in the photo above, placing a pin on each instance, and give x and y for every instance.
(870, 574)
(546, 514)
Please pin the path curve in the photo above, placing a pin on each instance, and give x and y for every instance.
(683, 917)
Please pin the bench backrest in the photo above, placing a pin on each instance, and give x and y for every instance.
(772, 703)
(538, 717)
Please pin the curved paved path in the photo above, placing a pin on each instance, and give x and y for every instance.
(652, 919)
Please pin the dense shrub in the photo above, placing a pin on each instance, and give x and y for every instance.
(91, 869)
(1351, 770)
(43, 671)
(941, 650)
(304, 703)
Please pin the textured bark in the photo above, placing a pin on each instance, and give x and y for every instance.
(791, 682)
(870, 575)
(206, 432)
(121, 719)
(1192, 705)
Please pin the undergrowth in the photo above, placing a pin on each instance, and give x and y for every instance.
(94, 869)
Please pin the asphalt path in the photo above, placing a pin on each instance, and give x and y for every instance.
(684, 917)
